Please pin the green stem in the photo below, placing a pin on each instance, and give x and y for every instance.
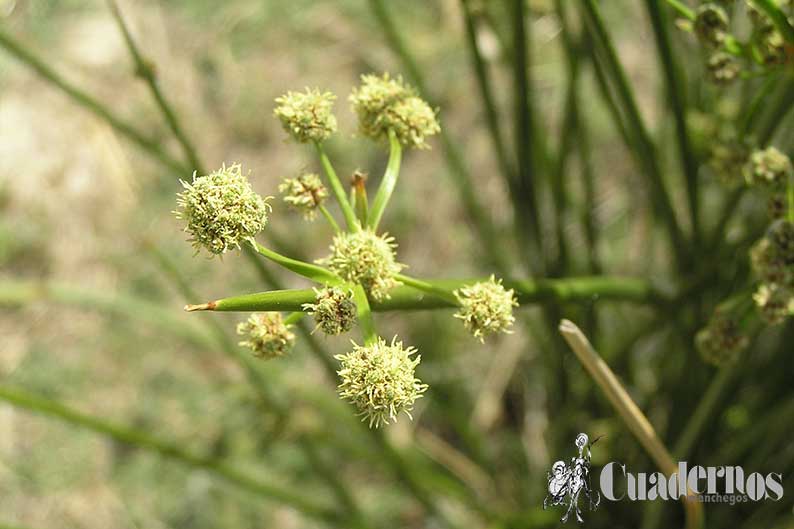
(682, 9)
(89, 103)
(316, 273)
(294, 318)
(674, 85)
(365, 320)
(645, 150)
(778, 17)
(169, 450)
(388, 183)
(429, 288)
(486, 94)
(331, 220)
(338, 190)
(414, 296)
(790, 197)
(147, 72)
(486, 231)
(525, 186)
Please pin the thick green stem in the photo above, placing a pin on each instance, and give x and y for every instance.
(169, 450)
(388, 183)
(439, 294)
(682, 9)
(779, 18)
(337, 189)
(89, 103)
(147, 72)
(308, 270)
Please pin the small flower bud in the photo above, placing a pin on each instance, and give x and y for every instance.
(334, 310)
(305, 193)
(221, 210)
(721, 341)
(383, 103)
(775, 302)
(379, 380)
(711, 25)
(267, 335)
(728, 159)
(365, 258)
(307, 116)
(768, 167)
(723, 68)
(486, 308)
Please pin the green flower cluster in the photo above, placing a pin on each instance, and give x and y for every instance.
(769, 168)
(221, 210)
(379, 379)
(267, 336)
(383, 104)
(333, 310)
(305, 193)
(728, 161)
(727, 56)
(722, 340)
(486, 308)
(772, 259)
(366, 258)
(307, 116)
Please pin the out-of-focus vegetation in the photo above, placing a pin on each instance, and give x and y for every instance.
(570, 148)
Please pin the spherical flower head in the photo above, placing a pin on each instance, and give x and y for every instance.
(379, 379)
(723, 68)
(727, 160)
(307, 116)
(711, 25)
(221, 210)
(384, 103)
(486, 308)
(267, 336)
(305, 193)
(366, 258)
(721, 341)
(775, 302)
(333, 310)
(768, 167)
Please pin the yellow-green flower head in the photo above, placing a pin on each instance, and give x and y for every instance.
(775, 302)
(711, 25)
(486, 308)
(305, 193)
(384, 103)
(366, 258)
(723, 68)
(721, 341)
(768, 41)
(727, 160)
(379, 379)
(307, 116)
(267, 336)
(221, 210)
(333, 310)
(768, 167)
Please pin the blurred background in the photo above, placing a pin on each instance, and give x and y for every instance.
(94, 269)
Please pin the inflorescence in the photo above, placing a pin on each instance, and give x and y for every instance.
(221, 211)
(379, 380)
